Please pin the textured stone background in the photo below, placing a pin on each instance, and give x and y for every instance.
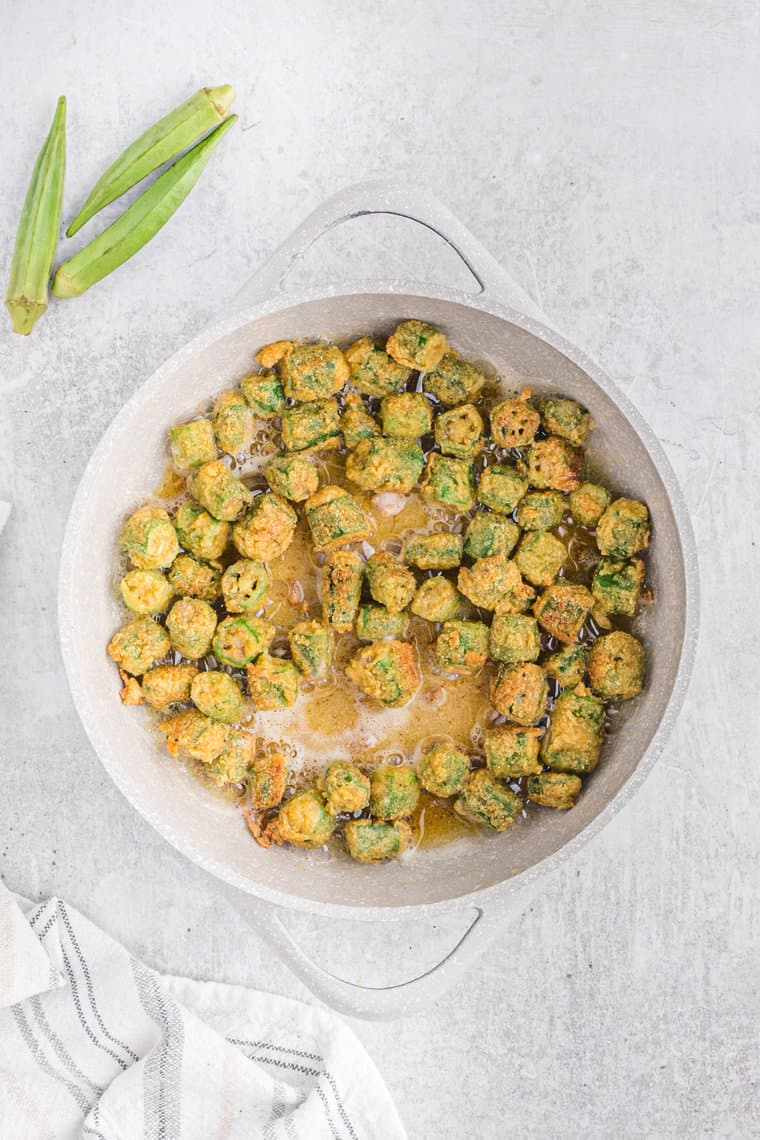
(609, 155)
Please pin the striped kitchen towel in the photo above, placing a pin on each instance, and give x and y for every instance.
(94, 1044)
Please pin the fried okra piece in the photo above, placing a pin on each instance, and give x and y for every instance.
(264, 395)
(304, 821)
(314, 426)
(200, 533)
(407, 415)
(145, 591)
(375, 623)
(487, 580)
(459, 432)
(394, 791)
(486, 801)
(488, 533)
(240, 640)
(372, 841)
(386, 671)
(190, 733)
(342, 576)
(616, 666)
(345, 788)
(442, 768)
(385, 465)
(566, 419)
(149, 539)
(415, 344)
(273, 683)
(193, 579)
(373, 372)
(233, 426)
(512, 752)
(437, 600)
(440, 551)
(588, 503)
(520, 692)
(292, 477)
(391, 584)
(554, 789)
(266, 532)
(514, 422)
(540, 557)
(514, 637)
(540, 510)
(501, 488)
(568, 665)
(336, 518)
(448, 481)
(562, 610)
(267, 780)
(623, 529)
(192, 444)
(313, 372)
(462, 646)
(271, 354)
(191, 624)
(222, 494)
(138, 644)
(454, 381)
(553, 463)
(168, 685)
(356, 423)
(244, 585)
(617, 585)
(218, 696)
(233, 763)
(310, 647)
(575, 734)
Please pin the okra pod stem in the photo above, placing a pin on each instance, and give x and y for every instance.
(37, 236)
(140, 222)
(163, 141)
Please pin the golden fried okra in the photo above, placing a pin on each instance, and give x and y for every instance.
(167, 685)
(448, 481)
(356, 423)
(554, 789)
(244, 585)
(336, 518)
(345, 788)
(200, 533)
(149, 539)
(375, 623)
(566, 419)
(512, 752)
(387, 671)
(540, 557)
(221, 493)
(342, 576)
(218, 696)
(454, 381)
(145, 591)
(623, 529)
(489, 533)
(192, 444)
(514, 637)
(233, 426)
(271, 354)
(562, 610)
(617, 585)
(575, 734)
(373, 372)
(191, 624)
(553, 463)
(514, 422)
(540, 510)
(263, 393)
(138, 644)
(233, 763)
(391, 584)
(304, 821)
(394, 791)
(293, 477)
(437, 600)
(442, 768)
(459, 432)
(568, 665)
(439, 551)
(268, 777)
(588, 503)
(462, 646)
(193, 579)
(190, 733)
(616, 666)
(310, 647)
(489, 580)
(266, 532)
(501, 488)
(407, 415)
(240, 640)
(273, 683)
(486, 801)
(415, 344)
(314, 426)
(371, 841)
(520, 692)
(313, 372)
(384, 464)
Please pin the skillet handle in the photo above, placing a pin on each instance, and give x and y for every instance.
(404, 200)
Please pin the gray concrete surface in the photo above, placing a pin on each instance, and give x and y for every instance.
(607, 153)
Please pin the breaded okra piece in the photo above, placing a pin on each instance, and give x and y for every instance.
(138, 644)
(345, 787)
(218, 696)
(313, 372)
(442, 768)
(391, 584)
(273, 683)
(219, 491)
(514, 422)
(310, 647)
(512, 752)
(266, 532)
(385, 464)
(386, 671)
(292, 477)
(437, 600)
(567, 419)
(617, 585)
(514, 638)
(553, 463)
(540, 510)
(240, 640)
(264, 395)
(486, 801)
(439, 551)
(244, 585)
(356, 423)
(490, 533)
(449, 482)
(540, 557)
(588, 503)
(267, 780)
(190, 733)
(304, 821)
(145, 591)
(336, 518)
(233, 422)
(406, 415)
(554, 789)
(372, 841)
(192, 444)
(191, 578)
(501, 488)
(490, 580)
(568, 665)
(574, 738)
(149, 539)
(191, 623)
(623, 529)
(394, 791)
(341, 577)
(415, 344)
(233, 764)
(200, 533)
(454, 381)
(460, 432)
(375, 623)
(616, 666)
(520, 692)
(562, 610)
(314, 426)
(462, 646)
(373, 372)
(167, 685)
